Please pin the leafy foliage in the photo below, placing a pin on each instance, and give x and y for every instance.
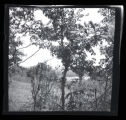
(42, 80)
(74, 40)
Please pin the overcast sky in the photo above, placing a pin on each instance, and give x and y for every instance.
(45, 54)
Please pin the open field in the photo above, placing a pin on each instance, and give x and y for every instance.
(19, 95)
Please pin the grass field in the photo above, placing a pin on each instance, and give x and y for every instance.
(19, 96)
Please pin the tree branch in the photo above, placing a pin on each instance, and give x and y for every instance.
(24, 47)
(30, 56)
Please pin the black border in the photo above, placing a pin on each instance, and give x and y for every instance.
(116, 67)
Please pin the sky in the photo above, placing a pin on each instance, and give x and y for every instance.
(45, 54)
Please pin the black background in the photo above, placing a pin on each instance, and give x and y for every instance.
(121, 109)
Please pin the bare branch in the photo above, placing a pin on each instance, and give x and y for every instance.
(30, 56)
(24, 47)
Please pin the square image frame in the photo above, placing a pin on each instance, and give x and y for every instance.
(115, 71)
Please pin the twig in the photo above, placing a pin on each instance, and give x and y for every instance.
(26, 58)
(30, 56)
(24, 47)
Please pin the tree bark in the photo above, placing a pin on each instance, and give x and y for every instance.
(96, 107)
(34, 103)
(80, 83)
(63, 88)
(105, 92)
(80, 80)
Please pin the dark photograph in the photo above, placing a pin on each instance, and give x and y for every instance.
(60, 59)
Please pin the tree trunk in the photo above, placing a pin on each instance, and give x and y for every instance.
(80, 103)
(34, 106)
(80, 80)
(63, 88)
(96, 107)
(105, 92)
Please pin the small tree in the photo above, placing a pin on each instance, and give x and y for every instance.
(17, 15)
(42, 80)
(64, 21)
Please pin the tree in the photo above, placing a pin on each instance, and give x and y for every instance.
(72, 38)
(80, 64)
(17, 15)
(64, 22)
(100, 32)
(106, 65)
(42, 80)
